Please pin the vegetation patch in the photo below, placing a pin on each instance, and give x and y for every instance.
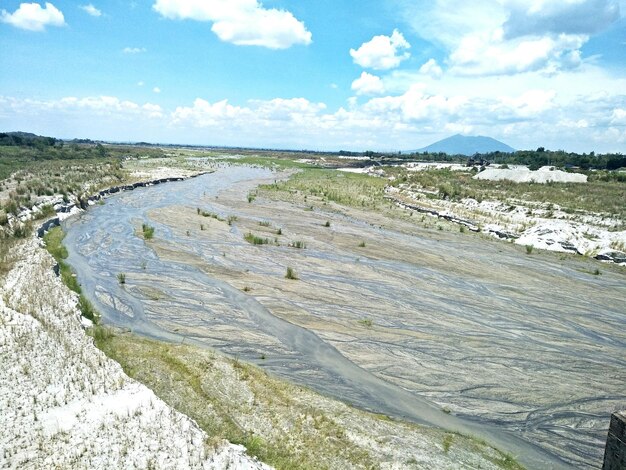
(292, 428)
(351, 189)
(256, 240)
(54, 244)
(189, 380)
(148, 231)
(603, 193)
(212, 215)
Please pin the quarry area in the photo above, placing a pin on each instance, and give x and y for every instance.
(532, 219)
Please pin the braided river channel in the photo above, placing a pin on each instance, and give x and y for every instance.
(437, 327)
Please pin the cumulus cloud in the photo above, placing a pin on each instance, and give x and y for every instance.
(133, 50)
(382, 52)
(432, 68)
(241, 22)
(511, 36)
(156, 89)
(259, 113)
(368, 84)
(91, 10)
(422, 114)
(618, 117)
(489, 54)
(97, 105)
(32, 17)
(205, 114)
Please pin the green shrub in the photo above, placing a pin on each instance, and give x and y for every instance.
(148, 231)
(47, 210)
(253, 239)
(101, 334)
(291, 274)
(87, 309)
(212, 215)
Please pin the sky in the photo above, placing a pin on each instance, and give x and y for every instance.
(381, 75)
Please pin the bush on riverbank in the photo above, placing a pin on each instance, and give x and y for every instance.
(53, 240)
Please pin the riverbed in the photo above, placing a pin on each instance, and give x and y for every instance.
(436, 327)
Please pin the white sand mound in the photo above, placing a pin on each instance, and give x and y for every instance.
(64, 404)
(524, 175)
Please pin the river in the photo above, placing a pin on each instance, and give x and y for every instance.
(186, 286)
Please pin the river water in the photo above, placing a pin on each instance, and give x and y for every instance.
(176, 300)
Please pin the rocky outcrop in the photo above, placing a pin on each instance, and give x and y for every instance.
(612, 256)
(615, 451)
(472, 226)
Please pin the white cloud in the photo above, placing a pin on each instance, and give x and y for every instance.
(33, 17)
(508, 37)
(91, 10)
(205, 114)
(559, 17)
(241, 22)
(133, 50)
(618, 117)
(424, 113)
(140, 83)
(156, 89)
(98, 105)
(490, 54)
(382, 52)
(153, 111)
(528, 105)
(432, 68)
(368, 84)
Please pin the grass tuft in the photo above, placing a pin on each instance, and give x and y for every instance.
(148, 231)
(255, 240)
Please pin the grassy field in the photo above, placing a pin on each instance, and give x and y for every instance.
(349, 189)
(284, 425)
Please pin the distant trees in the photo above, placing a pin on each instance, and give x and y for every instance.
(25, 139)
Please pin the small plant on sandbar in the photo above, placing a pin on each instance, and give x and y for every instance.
(148, 231)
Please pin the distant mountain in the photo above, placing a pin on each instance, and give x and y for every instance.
(467, 145)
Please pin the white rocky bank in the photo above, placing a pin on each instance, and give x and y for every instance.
(64, 404)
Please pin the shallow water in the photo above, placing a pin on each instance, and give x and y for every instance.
(515, 348)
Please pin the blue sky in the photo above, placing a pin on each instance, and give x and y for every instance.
(383, 75)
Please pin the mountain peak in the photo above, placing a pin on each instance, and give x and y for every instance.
(467, 145)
